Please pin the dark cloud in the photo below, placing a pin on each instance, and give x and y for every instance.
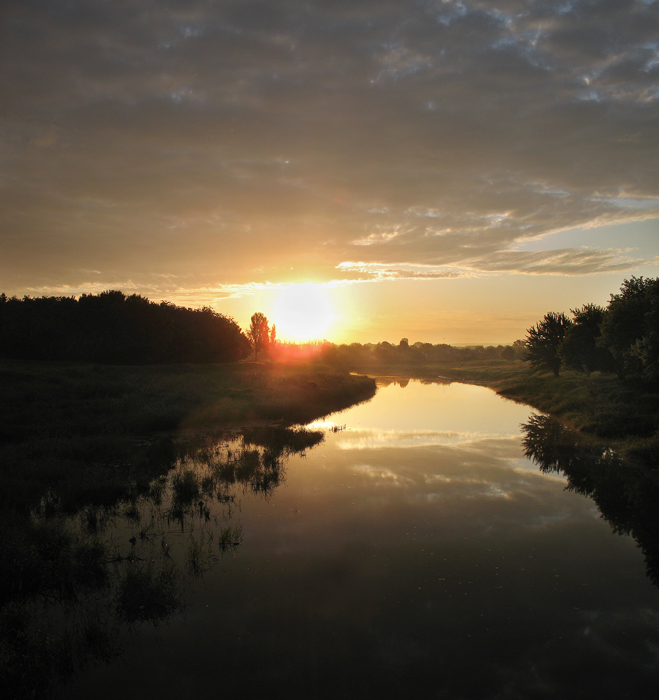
(212, 139)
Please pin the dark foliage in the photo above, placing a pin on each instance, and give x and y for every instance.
(630, 328)
(114, 328)
(405, 356)
(544, 341)
(581, 349)
(623, 338)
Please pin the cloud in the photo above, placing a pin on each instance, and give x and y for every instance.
(230, 142)
(362, 271)
(567, 261)
(557, 262)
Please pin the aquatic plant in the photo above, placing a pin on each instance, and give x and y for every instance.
(230, 538)
(149, 593)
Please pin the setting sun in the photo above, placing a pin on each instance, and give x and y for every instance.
(302, 312)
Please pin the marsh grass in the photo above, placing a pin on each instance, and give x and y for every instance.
(46, 559)
(96, 442)
(86, 431)
(230, 538)
(186, 486)
(149, 593)
(201, 554)
(47, 569)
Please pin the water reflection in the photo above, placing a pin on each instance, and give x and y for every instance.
(385, 565)
(80, 582)
(626, 493)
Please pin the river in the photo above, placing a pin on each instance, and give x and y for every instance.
(406, 548)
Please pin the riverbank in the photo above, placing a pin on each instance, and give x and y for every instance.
(66, 426)
(625, 415)
(85, 442)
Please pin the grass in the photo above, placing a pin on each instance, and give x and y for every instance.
(86, 432)
(149, 593)
(624, 414)
(82, 438)
(230, 538)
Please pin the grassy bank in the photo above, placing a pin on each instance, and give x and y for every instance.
(57, 419)
(623, 414)
(90, 440)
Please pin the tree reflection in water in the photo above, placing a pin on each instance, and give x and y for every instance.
(625, 492)
(80, 582)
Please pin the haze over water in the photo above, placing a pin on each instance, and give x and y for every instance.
(415, 552)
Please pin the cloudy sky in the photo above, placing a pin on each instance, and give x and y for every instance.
(450, 170)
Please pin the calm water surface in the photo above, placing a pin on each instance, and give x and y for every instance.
(413, 553)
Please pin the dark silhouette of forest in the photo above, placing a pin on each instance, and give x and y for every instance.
(116, 329)
(622, 338)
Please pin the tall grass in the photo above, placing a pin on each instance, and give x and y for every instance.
(96, 441)
(149, 593)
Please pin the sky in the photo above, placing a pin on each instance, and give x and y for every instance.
(441, 170)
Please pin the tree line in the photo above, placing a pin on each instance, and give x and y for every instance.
(116, 329)
(621, 338)
(407, 354)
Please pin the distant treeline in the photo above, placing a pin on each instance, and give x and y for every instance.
(384, 353)
(117, 329)
(622, 338)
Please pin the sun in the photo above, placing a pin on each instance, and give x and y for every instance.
(302, 312)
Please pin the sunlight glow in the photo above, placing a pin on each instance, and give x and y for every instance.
(302, 312)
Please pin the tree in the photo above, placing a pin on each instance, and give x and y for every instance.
(114, 328)
(258, 333)
(580, 349)
(629, 326)
(519, 346)
(543, 343)
(508, 353)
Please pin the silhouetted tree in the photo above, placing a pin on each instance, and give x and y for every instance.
(258, 333)
(647, 348)
(580, 349)
(113, 328)
(544, 340)
(519, 346)
(630, 328)
(508, 353)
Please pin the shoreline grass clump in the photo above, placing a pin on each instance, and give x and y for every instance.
(149, 593)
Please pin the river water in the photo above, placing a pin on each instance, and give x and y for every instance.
(414, 551)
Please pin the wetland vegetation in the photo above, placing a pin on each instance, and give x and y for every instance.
(93, 442)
